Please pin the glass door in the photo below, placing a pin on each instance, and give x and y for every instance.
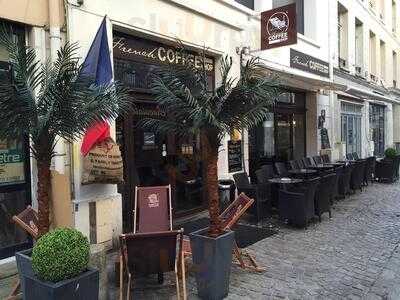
(351, 133)
(377, 128)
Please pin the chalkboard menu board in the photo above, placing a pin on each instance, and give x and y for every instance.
(325, 144)
(234, 156)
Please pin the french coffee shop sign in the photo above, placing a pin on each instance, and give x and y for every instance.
(308, 63)
(278, 27)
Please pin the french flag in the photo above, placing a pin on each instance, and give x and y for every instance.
(97, 65)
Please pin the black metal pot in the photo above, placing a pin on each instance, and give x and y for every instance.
(83, 287)
(212, 260)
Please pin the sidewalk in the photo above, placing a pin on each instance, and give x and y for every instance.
(355, 255)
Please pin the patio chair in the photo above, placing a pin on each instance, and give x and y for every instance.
(152, 253)
(269, 171)
(318, 160)
(300, 163)
(297, 204)
(349, 156)
(385, 170)
(326, 159)
(229, 218)
(293, 165)
(152, 209)
(308, 162)
(344, 181)
(261, 192)
(355, 156)
(357, 176)
(323, 195)
(335, 192)
(281, 169)
(369, 171)
(27, 220)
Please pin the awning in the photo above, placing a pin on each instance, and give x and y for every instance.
(348, 96)
(310, 83)
(363, 94)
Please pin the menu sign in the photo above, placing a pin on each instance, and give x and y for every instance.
(234, 156)
(137, 49)
(308, 63)
(12, 169)
(278, 27)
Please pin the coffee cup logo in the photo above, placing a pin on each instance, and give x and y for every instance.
(277, 27)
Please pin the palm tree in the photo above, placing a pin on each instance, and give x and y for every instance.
(192, 109)
(48, 102)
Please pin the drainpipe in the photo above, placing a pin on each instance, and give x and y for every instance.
(55, 44)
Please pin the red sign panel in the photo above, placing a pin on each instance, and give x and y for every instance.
(278, 27)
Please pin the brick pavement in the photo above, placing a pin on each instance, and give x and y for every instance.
(354, 255)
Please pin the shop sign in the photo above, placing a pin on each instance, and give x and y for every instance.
(307, 63)
(137, 49)
(12, 170)
(234, 156)
(278, 27)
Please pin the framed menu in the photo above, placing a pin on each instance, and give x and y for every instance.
(234, 156)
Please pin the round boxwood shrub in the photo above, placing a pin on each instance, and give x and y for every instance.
(60, 254)
(390, 153)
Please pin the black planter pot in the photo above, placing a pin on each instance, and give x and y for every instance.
(83, 287)
(212, 259)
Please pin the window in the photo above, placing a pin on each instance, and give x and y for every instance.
(377, 128)
(351, 127)
(383, 59)
(342, 36)
(359, 47)
(247, 3)
(372, 56)
(394, 55)
(299, 11)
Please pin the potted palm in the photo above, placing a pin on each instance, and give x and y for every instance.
(194, 109)
(48, 102)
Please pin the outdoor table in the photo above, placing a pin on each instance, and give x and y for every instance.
(285, 181)
(322, 167)
(305, 173)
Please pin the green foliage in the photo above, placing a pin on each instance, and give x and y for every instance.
(60, 254)
(390, 153)
(192, 107)
(47, 101)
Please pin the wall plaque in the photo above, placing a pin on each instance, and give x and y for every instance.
(278, 27)
(234, 156)
(307, 63)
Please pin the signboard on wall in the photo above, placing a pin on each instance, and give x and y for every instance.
(12, 169)
(278, 27)
(307, 63)
(234, 156)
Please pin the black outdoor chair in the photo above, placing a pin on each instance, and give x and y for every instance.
(369, 171)
(297, 205)
(326, 159)
(318, 160)
(261, 193)
(281, 169)
(293, 165)
(268, 171)
(355, 156)
(357, 176)
(344, 181)
(300, 163)
(386, 170)
(349, 156)
(335, 192)
(307, 162)
(324, 194)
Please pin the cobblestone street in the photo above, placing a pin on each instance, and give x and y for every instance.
(355, 255)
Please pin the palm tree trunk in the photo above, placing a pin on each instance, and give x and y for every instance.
(210, 160)
(43, 187)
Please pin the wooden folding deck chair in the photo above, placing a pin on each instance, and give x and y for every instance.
(27, 220)
(229, 219)
(152, 253)
(152, 209)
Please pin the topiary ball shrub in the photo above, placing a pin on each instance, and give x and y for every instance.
(390, 153)
(60, 254)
